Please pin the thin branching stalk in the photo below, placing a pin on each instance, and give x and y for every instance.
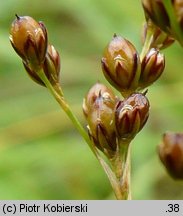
(58, 95)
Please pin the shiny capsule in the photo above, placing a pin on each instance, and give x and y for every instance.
(29, 39)
(131, 115)
(51, 64)
(98, 108)
(121, 65)
(152, 67)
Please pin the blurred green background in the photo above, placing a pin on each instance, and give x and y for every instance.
(41, 154)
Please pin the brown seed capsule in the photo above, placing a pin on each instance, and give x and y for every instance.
(159, 39)
(121, 65)
(98, 108)
(29, 39)
(131, 115)
(51, 65)
(155, 10)
(168, 15)
(33, 75)
(171, 154)
(152, 67)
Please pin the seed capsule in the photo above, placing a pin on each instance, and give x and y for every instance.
(51, 65)
(121, 65)
(33, 75)
(167, 15)
(29, 39)
(155, 10)
(98, 108)
(159, 39)
(171, 154)
(153, 65)
(131, 115)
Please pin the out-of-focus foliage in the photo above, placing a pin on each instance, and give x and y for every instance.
(41, 155)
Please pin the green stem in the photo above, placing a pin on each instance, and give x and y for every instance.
(121, 167)
(116, 163)
(148, 40)
(112, 178)
(125, 183)
(58, 95)
(126, 177)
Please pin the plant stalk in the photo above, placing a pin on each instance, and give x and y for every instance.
(126, 177)
(121, 164)
(148, 41)
(59, 97)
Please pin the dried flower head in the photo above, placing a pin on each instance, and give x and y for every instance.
(29, 39)
(121, 65)
(153, 65)
(51, 67)
(131, 115)
(98, 108)
(51, 64)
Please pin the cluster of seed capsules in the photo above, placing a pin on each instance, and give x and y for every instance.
(168, 16)
(113, 121)
(30, 41)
